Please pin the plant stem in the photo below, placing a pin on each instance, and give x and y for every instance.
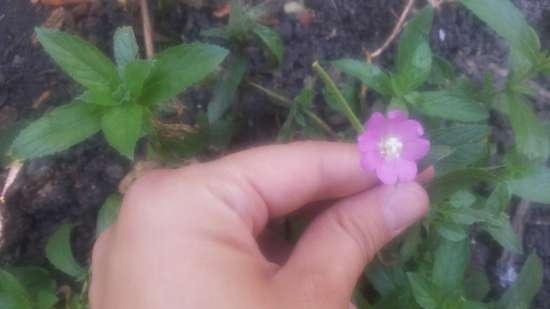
(331, 87)
(282, 101)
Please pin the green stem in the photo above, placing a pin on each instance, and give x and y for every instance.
(282, 101)
(331, 87)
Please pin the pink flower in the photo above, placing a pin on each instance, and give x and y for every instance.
(391, 146)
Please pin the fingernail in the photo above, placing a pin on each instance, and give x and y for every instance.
(404, 205)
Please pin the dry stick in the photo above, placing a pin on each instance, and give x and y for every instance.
(282, 101)
(393, 35)
(147, 29)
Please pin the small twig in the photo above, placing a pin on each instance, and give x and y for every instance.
(282, 101)
(394, 33)
(147, 29)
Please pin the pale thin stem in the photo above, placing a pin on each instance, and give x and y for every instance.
(282, 101)
(394, 33)
(147, 29)
(332, 88)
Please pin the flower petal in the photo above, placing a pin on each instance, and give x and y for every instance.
(387, 173)
(397, 115)
(377, 121)
(407, 170)
(372, 160)
(415, 149)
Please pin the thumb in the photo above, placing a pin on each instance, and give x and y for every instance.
(332, 253)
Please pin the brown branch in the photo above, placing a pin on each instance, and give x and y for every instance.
(394, 33)
(147, 29)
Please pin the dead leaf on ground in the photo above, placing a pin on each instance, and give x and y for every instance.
(43, 97)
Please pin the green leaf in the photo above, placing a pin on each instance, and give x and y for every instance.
(452, 231)
(423, 291)
(12, 294)
(460, 134)
(450, 105)
(442, 187)
(462, 157)
(499, 200)
(369, 74)
(78, 58)
(135, 74)
(451, 260)
(271, 40)
(530, 136)
(7, 136)
(385, 279)
(224, 93)
(60, 254)
(219, 32)
(56, 131)
(533, 187)
(467, 216)
(40, 285)
(179, 67)
(501, 230)
(108, 213)
(122, 127)
(241, 21)
(414, 56)
(99, 97)
(462, 199)
(522, 293)
(125, 46)
(443, 71)
(477, 285)
(508, 22)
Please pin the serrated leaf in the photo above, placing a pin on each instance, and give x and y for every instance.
(78, 58)
(271, 40)
(40, 285)
(508, 22)
(179, 67)
(533, 187)
(56, 131)
(125, 46)
(369, 74)
(122, 127)
(442, 71)
(12, 294)
(135, 74)
(460, 134)
(60, 253)
(522, 293)
(450, 262)
(224, 93)
(442, 187)
(450, 105)
(108, 213)
(461, 157)
(530, 136)
(423, 291)
(103, 98)
(414, 56)
(385, 279)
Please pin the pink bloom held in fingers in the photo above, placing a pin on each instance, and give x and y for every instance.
(391, 146)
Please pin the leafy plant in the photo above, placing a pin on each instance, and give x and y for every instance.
(243, 29)
(119, 100)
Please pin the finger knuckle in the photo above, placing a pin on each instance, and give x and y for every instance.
(359, 233)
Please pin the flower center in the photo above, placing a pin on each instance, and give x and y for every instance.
(390, 147)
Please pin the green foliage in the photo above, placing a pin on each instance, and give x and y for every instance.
(58, 130)
(369, 74)
(449, 105)
(108, 213)
(120, 100)
(59, 253)
(12, 294)
(522, 293)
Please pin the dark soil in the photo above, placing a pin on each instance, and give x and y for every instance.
(70, 187)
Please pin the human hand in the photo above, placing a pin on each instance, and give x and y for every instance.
(187, 238)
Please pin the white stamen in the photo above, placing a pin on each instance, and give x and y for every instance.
(390, 147)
